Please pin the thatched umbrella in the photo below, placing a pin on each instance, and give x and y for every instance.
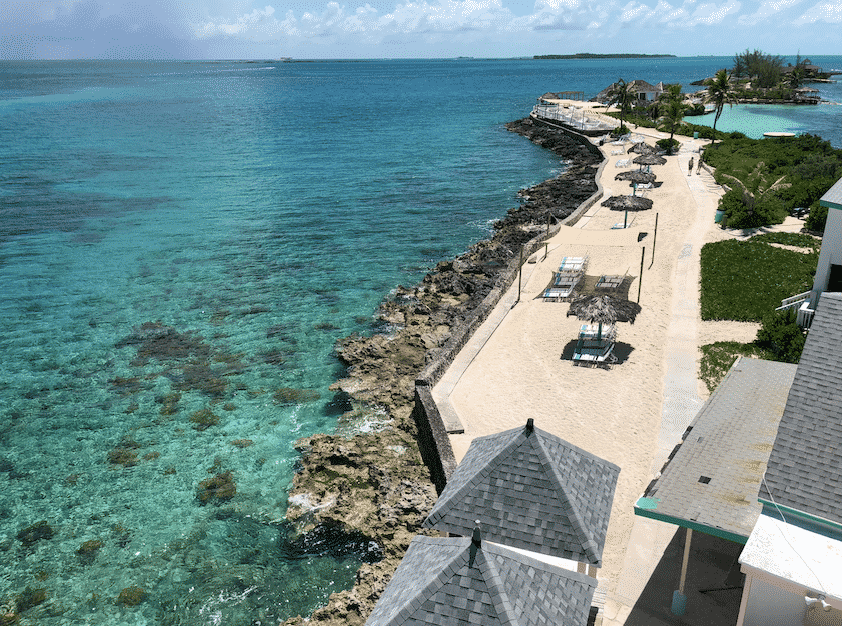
(599, 310)
(641, 147)
(649, 159)
(626, 310)
(636, 176)
(628, 203)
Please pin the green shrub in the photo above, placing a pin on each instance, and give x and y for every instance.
(817, 218)
(744, 280)
(790, 239)
(717, 359)
(781, 335)
(620, 130)
(670, 145)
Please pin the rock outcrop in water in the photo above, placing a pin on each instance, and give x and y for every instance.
(375, 483)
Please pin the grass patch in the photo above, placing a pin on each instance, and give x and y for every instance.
(799, 240)
(717, 359)
(745, 280)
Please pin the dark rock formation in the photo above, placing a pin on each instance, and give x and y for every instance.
(218, 489)
(36, 532)
(131, 596)
(29, 598)
(376, 483)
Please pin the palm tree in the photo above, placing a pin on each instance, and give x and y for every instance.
(622, 94)
(673, 110)
(720, 93)
(757, 187)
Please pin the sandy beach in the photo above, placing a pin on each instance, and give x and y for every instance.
(633, 413)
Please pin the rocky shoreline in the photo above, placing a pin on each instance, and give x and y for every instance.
(375, 483)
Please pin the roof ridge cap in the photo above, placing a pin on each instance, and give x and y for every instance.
(496, 590)
(460, 558)
(470, 484)
(588, 544)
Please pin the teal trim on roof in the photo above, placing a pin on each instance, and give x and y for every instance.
(643, 507)
(801, 515)
(833, 198)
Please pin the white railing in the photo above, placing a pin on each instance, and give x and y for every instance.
(575, 118)
(788, 303)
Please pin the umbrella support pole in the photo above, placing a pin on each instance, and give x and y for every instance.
(654, 239)
(640, 280)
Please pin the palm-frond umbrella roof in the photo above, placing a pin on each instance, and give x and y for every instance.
(641, 147)
(628, 203)
(625, 310)
(468, 580)
(531, 490)
(636, 176)
(597, 310)
(649, 159)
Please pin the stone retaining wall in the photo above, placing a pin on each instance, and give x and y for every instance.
(433, 440)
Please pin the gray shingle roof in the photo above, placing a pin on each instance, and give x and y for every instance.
(805, 466)
(450, 581)
(532, 490)
(713, 477)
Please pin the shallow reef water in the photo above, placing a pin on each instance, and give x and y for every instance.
(181, 247)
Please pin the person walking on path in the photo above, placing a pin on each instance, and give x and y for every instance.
(699, 166)
(690, 167)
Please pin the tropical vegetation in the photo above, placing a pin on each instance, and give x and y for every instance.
(756, 75)
(719, 94)
(770, 178)
(623, 95)
(672, 111)
(744, 280)
(779, 338)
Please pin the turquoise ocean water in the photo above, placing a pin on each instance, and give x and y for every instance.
(181, 245)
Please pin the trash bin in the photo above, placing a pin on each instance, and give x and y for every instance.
(695, 134)
(718, 217)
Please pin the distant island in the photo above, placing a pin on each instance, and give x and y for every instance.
(589, 55)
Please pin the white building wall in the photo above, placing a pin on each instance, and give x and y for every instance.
(831, 252)
(769, 605)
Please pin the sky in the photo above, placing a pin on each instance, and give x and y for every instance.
(353, 29)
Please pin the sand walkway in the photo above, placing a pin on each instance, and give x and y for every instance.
(634, 413)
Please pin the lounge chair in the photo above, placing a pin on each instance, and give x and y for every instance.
(573, 263)
(609, 282)
(563, 284)
(623, 163)
(593, 347)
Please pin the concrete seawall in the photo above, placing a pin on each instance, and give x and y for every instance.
(433, 440)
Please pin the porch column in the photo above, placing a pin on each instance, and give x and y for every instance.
(679, 600)
(744, 601)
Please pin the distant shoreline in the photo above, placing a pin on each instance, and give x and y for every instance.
(588, 55)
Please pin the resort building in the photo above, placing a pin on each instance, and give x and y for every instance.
(644, 92)
(531, 513)
(761, 465)
(829, 270)
(793, 558)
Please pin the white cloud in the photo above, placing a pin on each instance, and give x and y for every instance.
(710, 13)
(187, 27)
(259, 25)
(766, 10)
(829, 12)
